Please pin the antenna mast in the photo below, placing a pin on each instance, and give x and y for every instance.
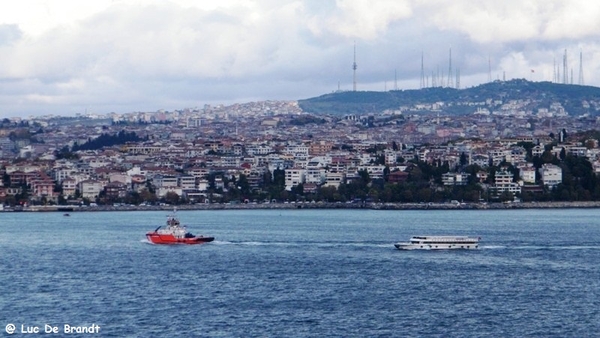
(422, 72)
(457, 78)
(565, 69)
(450, 68)
(581, 68)
(489, 69)
(354, 70)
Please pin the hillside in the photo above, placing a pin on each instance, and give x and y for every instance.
(456, 101)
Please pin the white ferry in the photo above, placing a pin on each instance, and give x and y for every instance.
(439, 243)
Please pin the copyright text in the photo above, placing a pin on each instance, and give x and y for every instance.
(51, 329)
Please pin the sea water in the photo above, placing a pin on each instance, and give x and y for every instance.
(313, 273)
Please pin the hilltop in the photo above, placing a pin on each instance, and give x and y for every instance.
(575, 99)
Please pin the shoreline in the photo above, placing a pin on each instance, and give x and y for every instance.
(280, 206)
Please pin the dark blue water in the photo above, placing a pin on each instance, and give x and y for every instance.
(300, 273)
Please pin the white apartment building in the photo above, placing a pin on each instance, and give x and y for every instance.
(391, 157)
(161, 181)
(294, 177)
(230, 161)
(297, 150)
(90, 188)
(375, 171)
(504, 182)
(203, 184)
(69, 186)
(187, 182)
(258, 149)
(537, 150)
(527, 174)
(334, 179)
(499, 155)
(551, 175)
(455, 178)
(315, 174)
(517, 154)
(480, 160)
(63, 173)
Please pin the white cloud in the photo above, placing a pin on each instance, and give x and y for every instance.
(490, 21)
(362, 19)
(125, 55)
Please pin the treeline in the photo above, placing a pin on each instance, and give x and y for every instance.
(107, 140)
(424, 184)
(360, 102)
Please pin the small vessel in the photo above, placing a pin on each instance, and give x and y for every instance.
(66, 215)
(439, 243)
(175, 233)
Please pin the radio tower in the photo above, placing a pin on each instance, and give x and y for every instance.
(354, 69)
(457, 78)
(580, 69)
(565, 69)
(489, 69)
(450, 68)
(422, 72)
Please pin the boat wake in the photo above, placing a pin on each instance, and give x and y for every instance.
(304, 244)
(558, 247)
(492, 247)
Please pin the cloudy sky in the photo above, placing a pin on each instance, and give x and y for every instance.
(65, 57)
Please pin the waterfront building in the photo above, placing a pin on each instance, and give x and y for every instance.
(551, 175)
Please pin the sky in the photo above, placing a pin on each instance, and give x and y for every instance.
(65, 57)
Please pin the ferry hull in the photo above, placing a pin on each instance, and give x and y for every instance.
(156, 238)
(408, 246)
(439, 243)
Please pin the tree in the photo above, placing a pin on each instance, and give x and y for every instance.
(147, 196)
(506, 196)
(172, 197)
(464, 160)
(243, 185)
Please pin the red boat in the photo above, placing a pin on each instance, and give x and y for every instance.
(175, 233)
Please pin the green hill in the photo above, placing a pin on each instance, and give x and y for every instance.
(574, 98)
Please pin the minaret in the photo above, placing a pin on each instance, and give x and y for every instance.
(354, 69)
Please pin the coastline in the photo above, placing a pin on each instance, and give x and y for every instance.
(368, 206)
